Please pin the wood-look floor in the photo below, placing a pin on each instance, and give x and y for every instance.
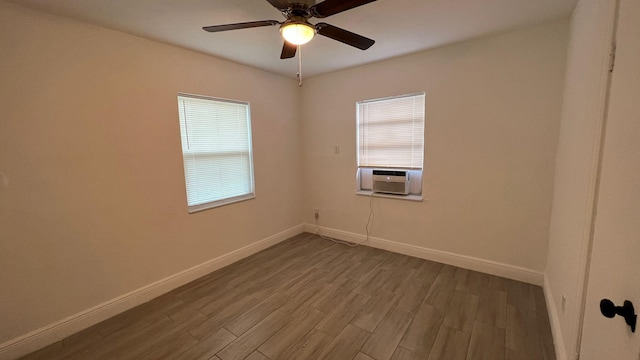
(309, 298)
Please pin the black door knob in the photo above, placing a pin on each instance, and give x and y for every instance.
(608, 309)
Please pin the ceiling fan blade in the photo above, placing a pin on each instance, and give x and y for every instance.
(331, 7)
(288, 50)
(280, 4)
(236, 26)
(344, 36)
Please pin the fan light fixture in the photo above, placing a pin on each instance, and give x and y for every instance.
(296, 29)
(297, 33)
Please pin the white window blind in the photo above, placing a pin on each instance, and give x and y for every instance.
(391, 132)
(216, 149)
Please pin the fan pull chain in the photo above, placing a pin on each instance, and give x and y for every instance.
(299, 66)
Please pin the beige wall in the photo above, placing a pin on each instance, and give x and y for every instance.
(577, 164)
(492, 117)
(95, 203)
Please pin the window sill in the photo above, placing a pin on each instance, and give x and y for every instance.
(390, 196)
(212, 205)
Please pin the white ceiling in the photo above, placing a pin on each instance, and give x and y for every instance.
(398, 26)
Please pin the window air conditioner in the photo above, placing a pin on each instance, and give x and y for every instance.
(391, 182)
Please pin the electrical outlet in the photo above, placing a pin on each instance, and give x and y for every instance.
(317, 214)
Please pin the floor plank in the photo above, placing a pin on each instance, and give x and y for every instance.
(451, 344)
(346, 345)
(404, 354)
(385, 338)
(309, 347)
(492, 308)
(423, 331)
(208, 346)
(373, 311)
(336, 321)
(249, 341)
(522, 333)
(289, 334)
(487, 342)
(257, 313)
(461, 311)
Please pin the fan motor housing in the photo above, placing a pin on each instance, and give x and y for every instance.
(297, 10)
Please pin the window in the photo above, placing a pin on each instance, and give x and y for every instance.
(216, 149)
(391, 136)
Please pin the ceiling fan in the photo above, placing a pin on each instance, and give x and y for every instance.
(296, 29)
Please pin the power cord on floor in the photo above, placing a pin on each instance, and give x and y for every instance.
(369, 222)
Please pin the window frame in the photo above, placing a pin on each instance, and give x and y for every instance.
(363, 172)
(250, 194)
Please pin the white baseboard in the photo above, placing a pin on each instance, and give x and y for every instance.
(554, 321)
(59, 330)
(463, 261)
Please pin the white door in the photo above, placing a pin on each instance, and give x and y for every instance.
(615, 263)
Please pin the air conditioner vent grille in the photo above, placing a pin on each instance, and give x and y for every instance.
(391, 182)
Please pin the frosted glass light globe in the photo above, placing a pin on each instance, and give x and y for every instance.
(297, 33)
